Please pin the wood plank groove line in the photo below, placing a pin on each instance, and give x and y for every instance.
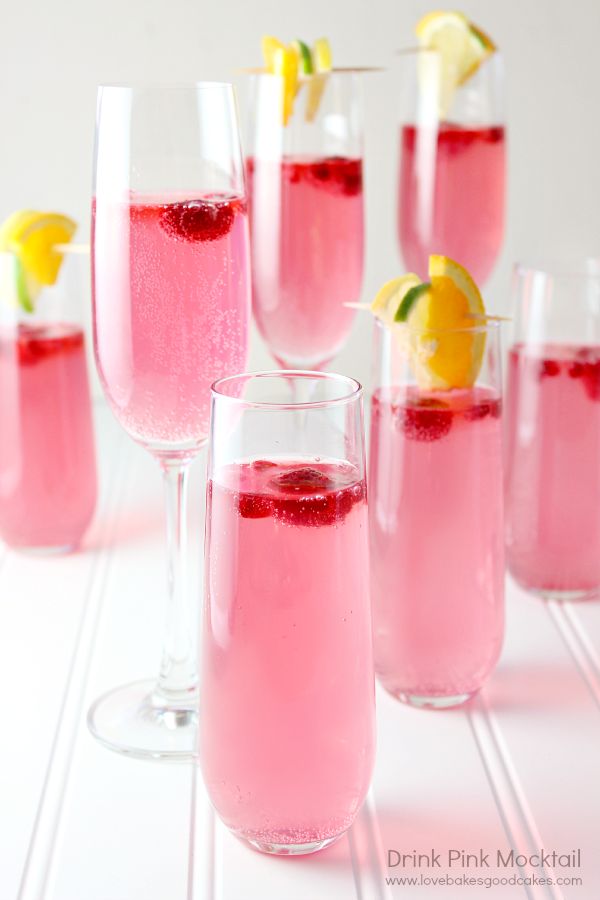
(513, 808)
(36, 874)
(578, 643)
(202, 865)
(366, 855)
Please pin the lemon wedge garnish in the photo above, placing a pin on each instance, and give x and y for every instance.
(323, 63)
(270, 45)
(445, 348)
(32, 237)
(286, 65)
(462, 48)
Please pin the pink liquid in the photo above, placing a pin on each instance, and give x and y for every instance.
(452, 195)
(553, 467)
(287, 711)
(307, 253)
(437, 574)
(171, 299)
(47, 458)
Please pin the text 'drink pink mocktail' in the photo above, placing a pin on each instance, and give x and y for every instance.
(307, 253)
(47, 456)
(172, 309)
(435, 485)
(553, 467)
(287, 739)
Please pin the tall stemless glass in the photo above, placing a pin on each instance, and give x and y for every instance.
(452, 166)
(287, 713)
(553, 432)
(306, 215)
(47, 453)
(171, 309)
(435, 516)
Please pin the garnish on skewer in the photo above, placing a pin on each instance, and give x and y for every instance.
(435, 322)
(462, 47)
(36, 240)
(296, 63)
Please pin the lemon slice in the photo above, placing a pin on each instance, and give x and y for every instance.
(446, 352)
(323, 63)
(462, 48)
(33, 237)
(389, 299)
(269, 46)
(286, 65)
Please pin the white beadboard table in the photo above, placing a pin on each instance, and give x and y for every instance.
(519, 767)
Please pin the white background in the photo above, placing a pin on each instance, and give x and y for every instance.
(53, 53)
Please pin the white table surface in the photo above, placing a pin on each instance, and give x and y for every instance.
(519, 767)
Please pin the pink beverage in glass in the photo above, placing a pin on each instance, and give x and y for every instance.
(553, 467)
(435, 511)
(47, 458)
(306, 217)
(287, 746)
(451, 195)
(178, 316)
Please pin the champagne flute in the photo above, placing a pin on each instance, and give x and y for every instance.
(305, 185)
(171, 309)
(452, 165)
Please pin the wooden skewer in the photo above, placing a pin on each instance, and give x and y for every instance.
(260, 70)
(80, 249)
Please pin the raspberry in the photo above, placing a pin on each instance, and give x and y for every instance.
(199, 220)
(302, 481)
(549, 367)
(254, 506)
(429, 421)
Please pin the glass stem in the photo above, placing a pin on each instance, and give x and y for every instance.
(177, 681)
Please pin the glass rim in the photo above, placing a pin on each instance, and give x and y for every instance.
(164, 85)
(354, 393)
(583, 267)
(490, 326)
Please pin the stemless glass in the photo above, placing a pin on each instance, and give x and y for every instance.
(435, 516)
(287, 715)
(306, 215)
(47, 453)
(553, 432)
(452, 166)
(171, 309)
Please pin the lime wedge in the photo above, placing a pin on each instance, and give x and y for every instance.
(305, 62)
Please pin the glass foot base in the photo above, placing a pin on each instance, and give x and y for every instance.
(135, 721)
(566, 596)
(292, 849)
(424, 702)
(47, 551)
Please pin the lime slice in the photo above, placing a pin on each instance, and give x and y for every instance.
(33, 237)
(322, 63)
(391, 296)
(445, 350)
(462, 48)
(305, 62)
(410, 298)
